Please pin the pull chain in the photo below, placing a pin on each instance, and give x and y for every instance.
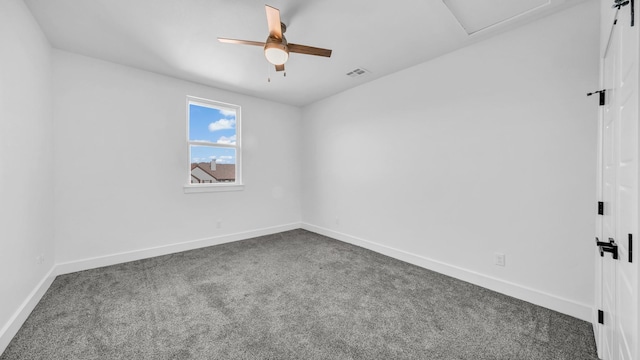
(268, 74)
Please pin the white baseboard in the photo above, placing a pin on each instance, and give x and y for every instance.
(541, 298)
(118, 258)
(10, 329)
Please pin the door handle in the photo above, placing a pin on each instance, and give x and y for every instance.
(610, 247)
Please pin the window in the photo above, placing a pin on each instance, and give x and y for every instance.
(213, 137)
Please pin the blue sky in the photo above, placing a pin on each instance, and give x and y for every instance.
(215, 126)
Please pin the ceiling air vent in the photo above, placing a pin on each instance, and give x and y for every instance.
(358, 72)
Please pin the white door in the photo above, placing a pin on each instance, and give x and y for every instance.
(617, 279)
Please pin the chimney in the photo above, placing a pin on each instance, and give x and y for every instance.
(213, 164)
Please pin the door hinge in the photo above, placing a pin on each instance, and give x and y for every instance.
(602, 95)
(600, 208)
(600, 317)
(630, 248)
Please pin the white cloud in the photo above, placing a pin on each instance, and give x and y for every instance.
(222, 124)
(227, 140)
(228, 113)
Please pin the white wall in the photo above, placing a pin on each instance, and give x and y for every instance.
(26, 164)
(115, 125)
(487, 149)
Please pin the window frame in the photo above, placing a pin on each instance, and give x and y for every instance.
(237, 185)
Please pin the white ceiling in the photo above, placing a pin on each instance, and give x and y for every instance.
(179, 38)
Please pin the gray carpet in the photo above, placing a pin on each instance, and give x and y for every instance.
(294, 295)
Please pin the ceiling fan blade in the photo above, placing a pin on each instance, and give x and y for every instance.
(280, 67)
(243, 42)
(273, 21)
(308, 50)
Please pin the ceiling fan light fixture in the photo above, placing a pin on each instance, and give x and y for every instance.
(276, 53)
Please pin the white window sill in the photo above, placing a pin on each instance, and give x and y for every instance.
(190, 189)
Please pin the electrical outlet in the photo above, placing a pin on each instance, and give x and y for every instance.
(337, 221)
(219, 224)
(40, 259)
(500, 259)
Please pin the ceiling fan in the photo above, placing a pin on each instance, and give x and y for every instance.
(276, 48)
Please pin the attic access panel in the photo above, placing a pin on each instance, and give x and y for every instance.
(477, 15)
